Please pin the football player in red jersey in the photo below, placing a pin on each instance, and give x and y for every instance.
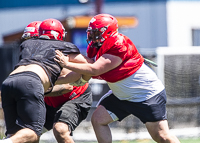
(65, 112)
(135, 88)
(67, 106)
(35, 76)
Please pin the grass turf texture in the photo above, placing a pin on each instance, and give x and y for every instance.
(189, 140)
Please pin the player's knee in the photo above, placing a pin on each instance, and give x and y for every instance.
(98, 120)
(27, 134)
(60, 129)
(101, 117)
(161, 138)
(94, 119)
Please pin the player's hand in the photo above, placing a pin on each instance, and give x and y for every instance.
(61, 58)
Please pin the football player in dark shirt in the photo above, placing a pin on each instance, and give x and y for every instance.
(23, 91)
(62, 111)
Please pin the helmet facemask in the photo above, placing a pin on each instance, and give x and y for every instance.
(96, 36)
(101, 27)
(26, 36)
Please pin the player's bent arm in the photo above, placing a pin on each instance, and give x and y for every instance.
(86, 77)
(60, 89)
(67, 76)
(79, 82)
(79, 58)
(75, 79)
(104, 64)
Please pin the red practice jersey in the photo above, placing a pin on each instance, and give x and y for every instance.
(59, 100)
(121, 46)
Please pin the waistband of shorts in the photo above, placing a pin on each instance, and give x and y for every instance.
(26, 73)
(162, 92)
(88, 89)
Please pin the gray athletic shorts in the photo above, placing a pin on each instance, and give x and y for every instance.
(151, 110)
(23, 102)
(72, 112)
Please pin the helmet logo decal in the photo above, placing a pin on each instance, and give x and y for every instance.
(92, 20)
(55, 34)
(29, 29)
(103, 29)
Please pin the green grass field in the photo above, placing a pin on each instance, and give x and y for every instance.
(190, 140)
(151, 141)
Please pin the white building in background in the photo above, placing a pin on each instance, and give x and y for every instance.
(150, 33)
(183, 23)
(161, 22)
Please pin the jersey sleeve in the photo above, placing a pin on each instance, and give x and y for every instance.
(117, 50)
(70, 48)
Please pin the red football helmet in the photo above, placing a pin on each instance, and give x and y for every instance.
(101, 27)
(52, 29)
(31, 30)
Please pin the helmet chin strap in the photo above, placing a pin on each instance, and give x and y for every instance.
(96, 45)
(99, 44)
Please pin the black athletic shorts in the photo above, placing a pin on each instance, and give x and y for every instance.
(23, 102)
(72, 112)
(151, 110)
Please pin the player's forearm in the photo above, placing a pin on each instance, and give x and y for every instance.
(86, 77)
(80, 64)
(69, 78)
(60, 89)
(81, 68)
(74, 64)
(79, 58)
